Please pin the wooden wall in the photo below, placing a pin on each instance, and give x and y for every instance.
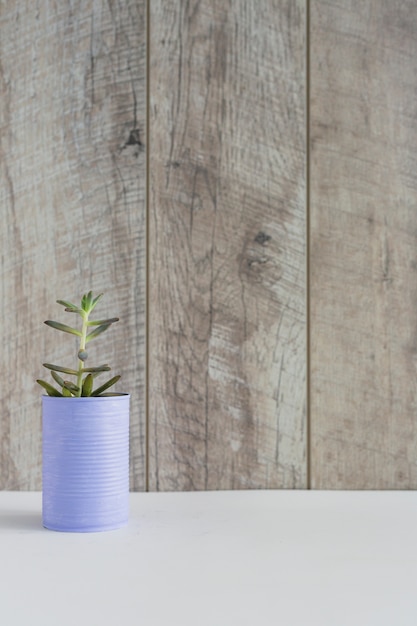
(363, 244)
(238, 177)
(72, 171)
(227, 241)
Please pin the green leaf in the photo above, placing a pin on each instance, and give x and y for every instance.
(66, 393)
(96, 332)
(71, 387)
(87, 386)
(63, 327)
(107, 322)
(58, 368)
(96, 300)
(89, 299)
(106, 385)
(57, 379)
(98, 369)
(82, 355)
(86, 302)
(72, 308)
(51, 391)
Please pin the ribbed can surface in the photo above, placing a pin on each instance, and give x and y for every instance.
(85, 470)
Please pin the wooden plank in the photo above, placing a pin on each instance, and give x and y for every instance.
(227, 245)
(363, 252)
(72, 169)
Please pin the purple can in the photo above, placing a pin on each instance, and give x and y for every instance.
(85, 470)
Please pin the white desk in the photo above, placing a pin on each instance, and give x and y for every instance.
(290, 558)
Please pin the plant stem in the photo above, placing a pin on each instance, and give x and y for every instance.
(82, 347)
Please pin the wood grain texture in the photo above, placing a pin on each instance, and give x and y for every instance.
(227, 245)
(72, 170)
(364, 244)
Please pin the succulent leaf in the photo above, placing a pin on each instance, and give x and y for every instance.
(68, 305)
(98, 369)
(71, 387)
(106, 385)
(87, 386)
(97, 331)
(57, 378)
(99, 322)
(95, 301)
(50, 390)
(63, 327)
(66, 393)
(86, 302)
(58, 368)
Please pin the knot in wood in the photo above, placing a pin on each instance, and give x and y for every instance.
(262, 238)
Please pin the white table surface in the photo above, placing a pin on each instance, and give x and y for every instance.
(250, 558)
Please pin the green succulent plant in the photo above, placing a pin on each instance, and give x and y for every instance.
(84, 376)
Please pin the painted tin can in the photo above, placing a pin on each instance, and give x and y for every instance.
(85, 463)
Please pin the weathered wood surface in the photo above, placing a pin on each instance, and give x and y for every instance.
(364, 244)
(72, 172)
(227, 349)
